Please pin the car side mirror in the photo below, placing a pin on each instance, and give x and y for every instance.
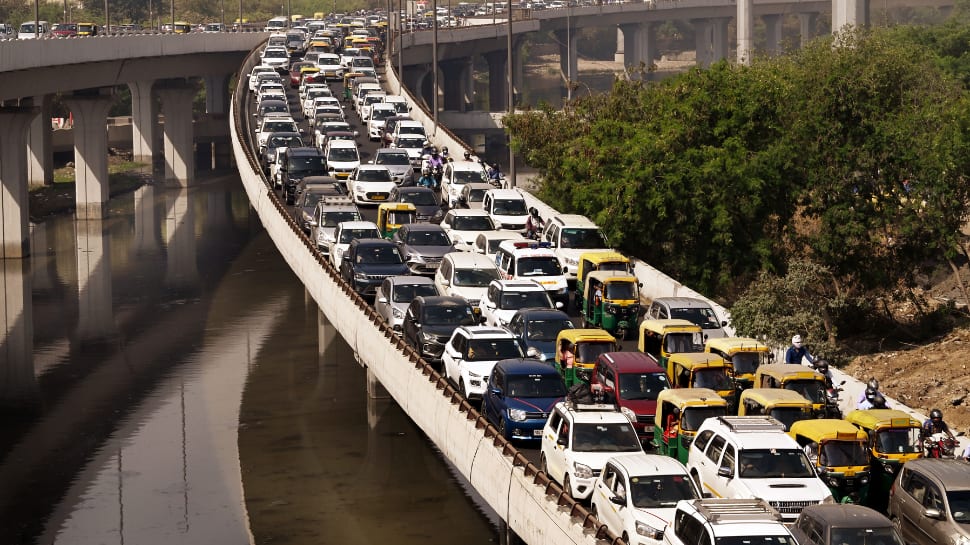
(933, 513)
(559, 305)
(495, 391)
(446, 283)
(562, 441)
(382, 300)
(621, 501)
(725, 472)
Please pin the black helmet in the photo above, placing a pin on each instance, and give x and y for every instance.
(878, 401)
(821, 366)
(936, 414)
(468, 155)
(873, 384)
(676, 411)
(871, 394)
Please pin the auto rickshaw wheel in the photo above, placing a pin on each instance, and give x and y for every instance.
(621, 333)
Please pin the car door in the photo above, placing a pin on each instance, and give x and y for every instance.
(408, 327)
(707, 466)
(454, 354)
(494, 405)
(382, 300)
(610, 484)
(555, 453)
(909, 506)
(725, 476)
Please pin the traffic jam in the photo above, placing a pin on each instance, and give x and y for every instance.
(648, 413)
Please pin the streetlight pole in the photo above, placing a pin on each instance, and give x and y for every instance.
(434, 64)
(569, 53)
(107, 17)
(400, 47)
(511, 93)
(240, 27)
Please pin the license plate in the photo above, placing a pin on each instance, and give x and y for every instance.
(537, 433)
(378, 197)
(548, 282)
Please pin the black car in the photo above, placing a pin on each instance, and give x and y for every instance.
(299, 163)
(424, 199)
(368, 261)
(538, 328)
(423, 245)
(430, 321)
(279, 140)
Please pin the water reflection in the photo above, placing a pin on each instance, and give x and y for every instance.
(17, 384)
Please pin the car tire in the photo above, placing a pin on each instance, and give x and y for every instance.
(626, 537)
(461, 388)
(566, 486)
(503, 430)
(697, 482)
(542, 464)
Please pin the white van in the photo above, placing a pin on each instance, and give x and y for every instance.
(276, 24)
(34, 29)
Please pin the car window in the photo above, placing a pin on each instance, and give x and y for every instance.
(702, 439)
(714, 451)
(653, 491)
(613, 437)
(407, 292)
(727, 461)
(536, 385)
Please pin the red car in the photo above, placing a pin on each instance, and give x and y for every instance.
(64, 30)
(632, 380)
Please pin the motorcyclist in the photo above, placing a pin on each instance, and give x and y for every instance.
(872, 388)
(822, 366)
(872, 398)
(533, 225)
(426, 179)
(445, 156)
(935, 424)
(494, 173)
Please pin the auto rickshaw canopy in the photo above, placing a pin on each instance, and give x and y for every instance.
(684, 398)
(781, 373)
(820, 430)
(588, 344)
(877, 419)
(601, 260)
(662, 328)
(770, 398)
(626, 290)
(690, 363)
(745, 354)
(392, 215)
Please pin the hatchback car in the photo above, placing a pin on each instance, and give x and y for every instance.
(519, 396)
(691, 309)
(538, 329)
(395, 294)
(398, 164)
(423, 245)
(837, 524)
(430, 320)
(369, 184)
(424, 199)
(504, 297)
(368, 261)
(471, 353)
(930, 501)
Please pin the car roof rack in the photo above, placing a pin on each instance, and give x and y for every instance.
(726, 510)
(336, 199)
(591, 407)
(751, 423)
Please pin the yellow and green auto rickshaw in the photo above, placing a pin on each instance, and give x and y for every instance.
(661, 338)
(612, 302)
(745, 355)
(680, 412)
(598, 260)
(894, 439)
(784, 406)
(702, 370)
(837, 449)
(585, 345)
(810, 384)
(392, 215)
(349, 78)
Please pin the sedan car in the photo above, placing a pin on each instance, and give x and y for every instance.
(463, 226)
(396, 293)
(520, 394)
(369, 184)
(424, 199)
(423, 245)
(538, 329)
(430, 321)
(397, 162)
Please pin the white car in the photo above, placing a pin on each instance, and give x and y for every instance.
(471, 353)
(533, 261)
(463, 227)
(487, 242)
(570, 236)
(271, 124)
(507, 208)
(342, 158)
(399, 103)
(257, 70)
(464, 274)
(330, 212)
(506, 297)
(277, 57)
(370, 184)
(636, 495)
(311, 104)
(375, 120)
(454, 177)
(329, 64)
(346, 232)
(370, 99)
(577, 441)
(411, 143)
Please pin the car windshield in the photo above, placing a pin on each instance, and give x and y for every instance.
(714, 378)
(745, 362)
(774, 463)
(789, 415)
(492, 349)
(546, 385)
(510, 207)
(379, 255)
(812, 390)
(373, 175)
(755, 540)
(547, 330)
(400, 217)
(865, 536)
(373, 99)
(581, 238)
(418, 198)
(331, 219)
(842, 453)
(652, 491)
(524, 299)
(621, 291)
(411, 129)
(405, 293)
(410, 142)
(617, 437)
(538, 266)
(959, 502)
(347, 235)
(692, 417)
(284, 142)
(427, 238)
(312, 162)
(449, 315)
(702, 316)
(311, 198)
(277, 126)
(276, 54)
(400, 107)
(642, 386)
(382, 114)
(475, 278)
(343, 154)
(898, 441)
(472, 223)
(476, 195)
(462, 177)
(588, 351)
(272, 108)
(392, 159)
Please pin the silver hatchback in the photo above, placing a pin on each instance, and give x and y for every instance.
(395, 294)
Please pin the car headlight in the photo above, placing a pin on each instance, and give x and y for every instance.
(829, 499)
(396, 312)
(611, 309)
(428, 337)
(415, 258)
(516, 415)
(360, 276)
(646, 530)
(582, 471)
(629, 414)
(571, 261)
(474, 375)
(833, 481)
(864, 480)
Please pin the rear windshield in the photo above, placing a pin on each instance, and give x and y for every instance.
(642, 386)
(406, 293)
(652, 491)
(393, 159)
(618, 437)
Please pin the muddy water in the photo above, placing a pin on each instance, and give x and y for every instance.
(160, 382)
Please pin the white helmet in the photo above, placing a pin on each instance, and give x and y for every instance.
(797, 339)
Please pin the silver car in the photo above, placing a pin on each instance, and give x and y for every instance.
(395, 294)
(398, 163)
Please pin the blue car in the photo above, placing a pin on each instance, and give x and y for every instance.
(538, 328)
(520, 394)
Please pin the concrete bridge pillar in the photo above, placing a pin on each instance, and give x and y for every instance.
(18, 383)
(497, 84)
(183, 270)
(375, 390)
(849, 13)
(772, 33)
(217, 94)
(40, 156)
(745, 18)
(808, 23)
(95, 315)
(704, 41)
(720, 38)
(620, 55)
(454, 79)
(145, 242)
(568, 59)
(176, 100)
(13, 175)
(90, 110)
(144, 120)
(468, 74)
(640, 45)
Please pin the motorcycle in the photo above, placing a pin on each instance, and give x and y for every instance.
(939, 445)
(832, 400)
(534, 225)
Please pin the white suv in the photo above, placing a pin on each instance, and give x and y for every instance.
(571, 235)
(577, 440)
(636, 495)
(471, 353)
(752, 457)
(465, 274)
(505, 297)
(507, 208)
(748, 522)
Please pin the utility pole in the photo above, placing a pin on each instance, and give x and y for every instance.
(511, 93)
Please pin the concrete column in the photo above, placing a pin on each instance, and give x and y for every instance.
(745, 18)
(849, 13)
(182, 271)
(18, 384)
(568, 59)
(452, 82)
(772, 33)
(144, 120)
(468, 84)
(704, 41)
(497, 86)
(217, 94)
(177, 133)
(375, 390)
(518, 67)
(720, 41)
(90, 112)
(808, 23)
(620, 55)
(640, 45)
(40, 157)
(145, 241)
(95, 316)
(13, 176)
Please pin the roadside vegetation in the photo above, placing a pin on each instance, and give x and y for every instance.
(812, 192)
